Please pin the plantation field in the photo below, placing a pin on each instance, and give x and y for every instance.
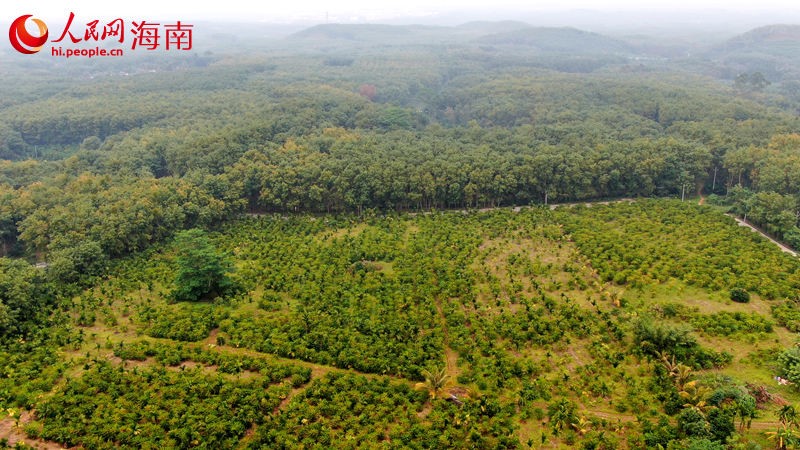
(603, 326)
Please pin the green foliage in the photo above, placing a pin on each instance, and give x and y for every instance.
(110, 407)
(654, 241)
(656, 339)
(121, 215)
(775, 211)
(659, 434)
(692, 423)
(231, 364)
(721, 422)
(503, 300)
(390, 319)
(788, 415)
(787, 314)
(739, 295)
(789, 364)
(725, 323)
(435, 381)
(731, 323)
(181, 322)
(518, 307)
(271, 301)
(352, 411)
(561, 414)
(68, 265)
(745, 409)
(751, 81)
(21, 298)
(767, 185)
(31, 367)
(792, 237)
(696, 444)
(203, 272)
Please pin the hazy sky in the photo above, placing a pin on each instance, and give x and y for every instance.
(348, 10)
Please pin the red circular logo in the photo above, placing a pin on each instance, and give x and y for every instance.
(22, 40)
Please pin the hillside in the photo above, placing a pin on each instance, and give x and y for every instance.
(558, 40)
(375, 34)
(487, 236)
(772, 50)
(508, 33)
(491, 329)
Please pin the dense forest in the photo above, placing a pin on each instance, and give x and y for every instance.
(369, 236)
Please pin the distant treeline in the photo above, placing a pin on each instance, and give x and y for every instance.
(104, 168)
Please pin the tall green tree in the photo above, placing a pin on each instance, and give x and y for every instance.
(203, 271)
(19, 297)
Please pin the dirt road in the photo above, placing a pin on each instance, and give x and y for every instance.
(784, 248)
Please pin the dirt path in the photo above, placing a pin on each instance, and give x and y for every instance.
(285, 402)
(590, 203)
(783, 248)
(317, 370)
(452, 362)
(14, 434)
(515, 209)
(451, 356)
(767, 426)
(610, 415)
(613, 416)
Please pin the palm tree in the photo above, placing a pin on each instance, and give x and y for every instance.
(616, 297)
(582, 425)
(669, 363)
(695, 396)
(679, 372)
(783, 437)
(435, 381)
(681, 375)
(788, 416)
(746, 410)
(562, 414)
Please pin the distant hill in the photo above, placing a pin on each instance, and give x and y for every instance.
(773, 50)
(559, 40)
(503, 33)
(404, 33)
(362, 32)
(486, 27)
(361, 35)
(767, 37)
